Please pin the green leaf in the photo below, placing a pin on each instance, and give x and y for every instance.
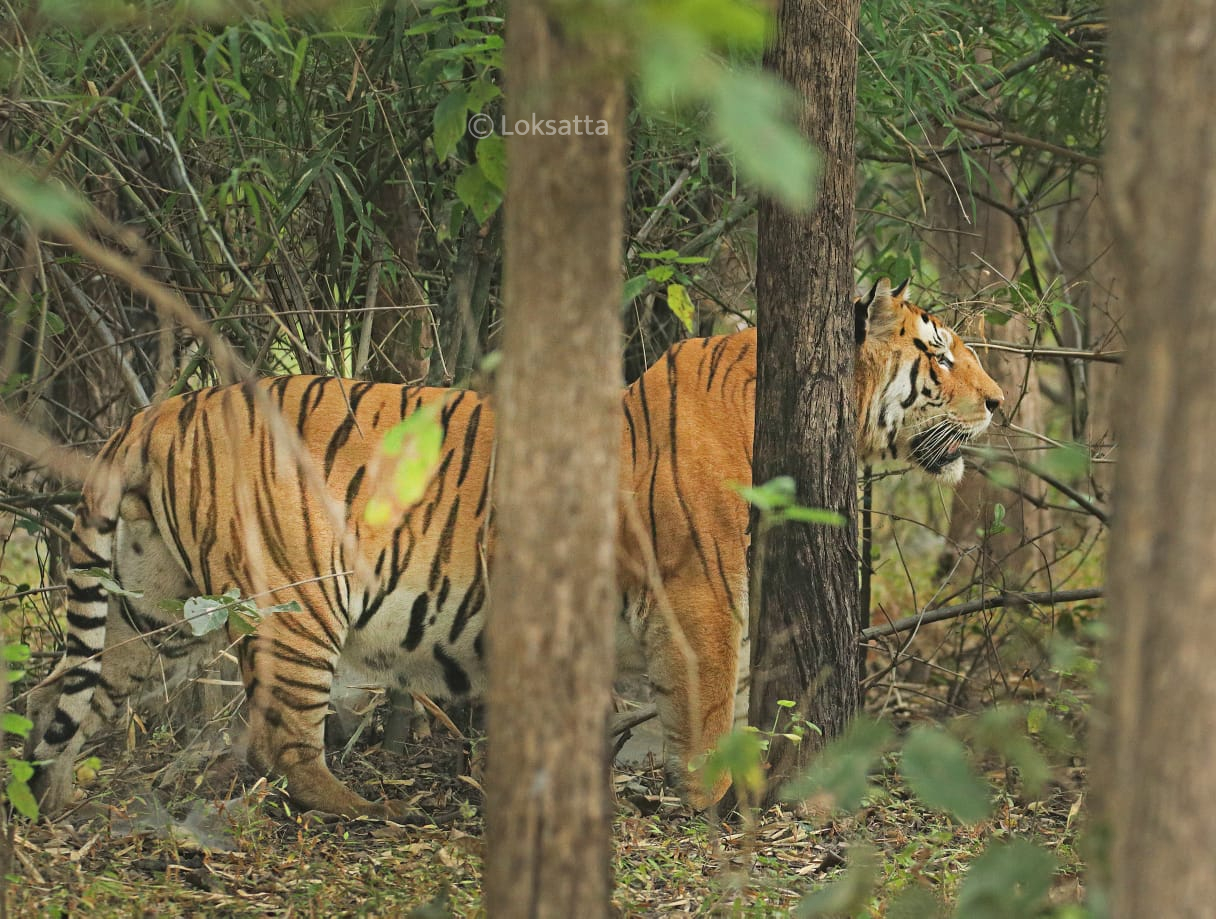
(937, 770)
(20, 796)
(206, 614)
(478, 193)
(20, 769)
(841, 770)
(660, 274)
(916, 903)
(681, 305)
(776, 493)
(749, 115)
(813, 515)
(1069, 462)
(412, 448)
(714, 22)
(492, 160)
(634, 287)
(12, 723)
(848, 895)
(738, 754)
(42, 203)
(54, 325)
(1003, 730)
(16, 652)
(450, 122)
(481, 92)
(1010, 880)
(674, 66)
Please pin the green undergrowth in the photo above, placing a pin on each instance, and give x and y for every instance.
(120, 853)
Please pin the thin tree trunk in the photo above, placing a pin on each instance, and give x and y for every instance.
(1154, 763)
(1095, 279)
(804, 627)
(977, 249)
(553, 592)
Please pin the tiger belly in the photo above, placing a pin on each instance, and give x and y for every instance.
(418, 642)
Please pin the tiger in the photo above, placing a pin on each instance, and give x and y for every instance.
(263, 487)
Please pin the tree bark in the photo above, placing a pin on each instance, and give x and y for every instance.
(804, 626)
(553, 592)
(1154, 762)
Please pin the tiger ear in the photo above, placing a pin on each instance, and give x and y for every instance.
(876, 315)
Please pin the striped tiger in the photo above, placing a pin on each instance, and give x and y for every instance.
(263, 486)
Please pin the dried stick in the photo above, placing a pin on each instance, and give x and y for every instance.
(975, 606)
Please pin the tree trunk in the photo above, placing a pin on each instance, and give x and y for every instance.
(1095, 287)
(554, 595)
(1154, 768)
(805, 624)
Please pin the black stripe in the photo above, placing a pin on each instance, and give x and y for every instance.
(440, 478)
(77, 594)
(323, 688)
(470, 442)
(352, 489)
(444, 551)
(285, 697)
(453, 674)
(633, 434)
(912, 383)
(449, 409)
(83, 623)
(470, 606)
(282, 651)
(413, 635)
(62, 729)
(740, 358)
(673, 450)
(718, 350)
(79, 679)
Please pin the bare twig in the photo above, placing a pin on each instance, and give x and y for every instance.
(644, 233)
(975, 606)
(93, 315)
(24, 440)
(1062, 487)
(626, 721)
(1024, 140)
(1036, 353)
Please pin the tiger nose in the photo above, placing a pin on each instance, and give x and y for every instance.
(993, 404)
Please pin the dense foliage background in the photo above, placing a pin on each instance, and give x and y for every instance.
(306, 182)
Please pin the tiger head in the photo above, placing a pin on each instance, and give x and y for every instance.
(922, 394)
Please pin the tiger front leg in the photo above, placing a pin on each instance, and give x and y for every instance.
(691, 645)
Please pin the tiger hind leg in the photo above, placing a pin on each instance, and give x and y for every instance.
(145, 651)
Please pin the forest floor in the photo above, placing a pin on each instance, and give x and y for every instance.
(124, 852)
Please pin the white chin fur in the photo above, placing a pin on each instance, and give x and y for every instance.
(951, 473)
